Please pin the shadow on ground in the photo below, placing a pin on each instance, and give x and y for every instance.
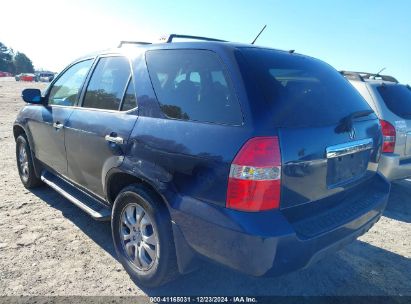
(399, 203)
(359, 269)
(99, 232)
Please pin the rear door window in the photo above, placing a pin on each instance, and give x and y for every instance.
(193, 85)
(107, 84)
(397, 98)
(299, 90)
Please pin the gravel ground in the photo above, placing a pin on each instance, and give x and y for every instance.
(49, 247)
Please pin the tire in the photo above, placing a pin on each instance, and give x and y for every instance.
(25, 164)
(136, 207)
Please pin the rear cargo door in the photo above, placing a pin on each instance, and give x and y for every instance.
(329, 136)
(317, 162)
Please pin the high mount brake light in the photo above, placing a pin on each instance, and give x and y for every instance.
(255, 176)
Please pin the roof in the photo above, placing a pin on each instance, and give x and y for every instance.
(368, 77)
(168, 43)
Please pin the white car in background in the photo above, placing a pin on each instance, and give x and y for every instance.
(45, 76)
(391, 101)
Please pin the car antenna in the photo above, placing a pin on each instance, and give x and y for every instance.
(378, 74)
(255, 39)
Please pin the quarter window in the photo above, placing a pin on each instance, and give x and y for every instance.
(107, 84)
(66, 89)
(193, 85)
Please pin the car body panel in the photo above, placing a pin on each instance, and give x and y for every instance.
(305, 169)
(89, 155)
(49, 145)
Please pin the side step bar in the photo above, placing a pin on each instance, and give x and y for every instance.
(85, 202)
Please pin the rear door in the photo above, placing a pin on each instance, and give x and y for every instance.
(98, 131)
(329, 137)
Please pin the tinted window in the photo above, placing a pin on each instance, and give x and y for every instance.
(397, 98)
(193, 85)
(130, 101)
(299, 90)
(66, 89)
(107, 84)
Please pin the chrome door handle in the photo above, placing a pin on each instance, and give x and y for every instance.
(58, 125)
(114, 139)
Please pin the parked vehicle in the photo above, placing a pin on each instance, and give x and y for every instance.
(45, 76)
(258, 159)
(5, 74)
(25, 77)
(391, 101)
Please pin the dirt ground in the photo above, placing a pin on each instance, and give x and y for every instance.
(50, 247)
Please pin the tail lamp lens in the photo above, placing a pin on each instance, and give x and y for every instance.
(389, 135)
(255, 176)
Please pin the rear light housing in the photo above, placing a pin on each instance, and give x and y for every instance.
(254, 183)
(389, 136)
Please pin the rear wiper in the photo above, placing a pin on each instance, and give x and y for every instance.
(345, 124)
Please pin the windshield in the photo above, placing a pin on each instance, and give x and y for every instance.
(301, 91)
(397, 98)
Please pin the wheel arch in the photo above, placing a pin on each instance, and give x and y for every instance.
(18, 130)
(116, 180)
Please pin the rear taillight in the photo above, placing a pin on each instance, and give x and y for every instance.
(388, 132)
(255, 176)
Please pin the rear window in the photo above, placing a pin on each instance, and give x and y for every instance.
(299, 90)
(193, 85)
(397, 98)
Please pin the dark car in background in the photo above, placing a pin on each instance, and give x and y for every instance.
(259, 159)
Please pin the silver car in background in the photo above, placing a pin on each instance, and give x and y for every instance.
(391, 101)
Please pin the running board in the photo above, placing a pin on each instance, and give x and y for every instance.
(85, 202)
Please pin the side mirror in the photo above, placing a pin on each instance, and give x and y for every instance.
(32, 96)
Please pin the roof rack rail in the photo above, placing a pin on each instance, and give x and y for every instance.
(364, 75)
(132, 42)
(170, 38)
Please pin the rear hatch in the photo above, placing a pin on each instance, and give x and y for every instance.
(329, 137)
(397, 99)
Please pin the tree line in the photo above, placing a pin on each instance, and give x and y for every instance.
(14, 62)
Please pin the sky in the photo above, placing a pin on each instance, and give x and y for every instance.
(361, 35)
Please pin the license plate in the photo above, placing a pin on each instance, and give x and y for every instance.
(346, 162)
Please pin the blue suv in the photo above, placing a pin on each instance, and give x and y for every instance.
(259, 159)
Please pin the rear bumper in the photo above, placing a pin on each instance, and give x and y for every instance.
(267, 243)
(392, 167)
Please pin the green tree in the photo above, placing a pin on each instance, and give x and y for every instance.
(6, 59)
(22, 63)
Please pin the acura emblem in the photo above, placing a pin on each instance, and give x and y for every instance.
(351, 134)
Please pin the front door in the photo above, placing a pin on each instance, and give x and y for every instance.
(97, 132)
(48, 125)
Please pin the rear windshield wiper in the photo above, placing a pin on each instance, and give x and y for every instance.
(345, 124)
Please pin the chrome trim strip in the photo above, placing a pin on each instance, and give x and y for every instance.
(349, 148)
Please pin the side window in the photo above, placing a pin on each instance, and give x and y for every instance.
(107, 84)
(193, 85)
(66, 89)
(129, 101)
